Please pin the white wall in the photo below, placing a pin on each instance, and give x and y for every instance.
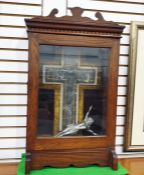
(13, 75)
(14, 63)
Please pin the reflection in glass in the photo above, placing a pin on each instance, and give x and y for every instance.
(46, 111)
(72, 91)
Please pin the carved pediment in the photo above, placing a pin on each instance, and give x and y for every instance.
(76, 22)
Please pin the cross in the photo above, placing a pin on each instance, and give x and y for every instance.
(70, 75)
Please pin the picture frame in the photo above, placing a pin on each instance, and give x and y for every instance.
(134, 133)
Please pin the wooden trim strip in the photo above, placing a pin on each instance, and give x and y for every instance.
(117, 1)
(17, 3)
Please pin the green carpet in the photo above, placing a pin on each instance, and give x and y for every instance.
(90, 170)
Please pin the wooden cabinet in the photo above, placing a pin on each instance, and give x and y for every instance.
(72, 90)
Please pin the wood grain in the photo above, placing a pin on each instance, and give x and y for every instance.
(72, 31)
(8, 168)
(135, 166)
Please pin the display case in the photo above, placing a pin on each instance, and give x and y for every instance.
(72, 90)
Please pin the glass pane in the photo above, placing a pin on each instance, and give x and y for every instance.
(72, 91)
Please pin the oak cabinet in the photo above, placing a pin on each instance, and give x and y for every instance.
(72, 90)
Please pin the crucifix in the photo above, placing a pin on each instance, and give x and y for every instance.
(70, 75)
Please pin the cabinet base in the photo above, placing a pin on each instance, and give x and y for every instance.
(64, 158)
